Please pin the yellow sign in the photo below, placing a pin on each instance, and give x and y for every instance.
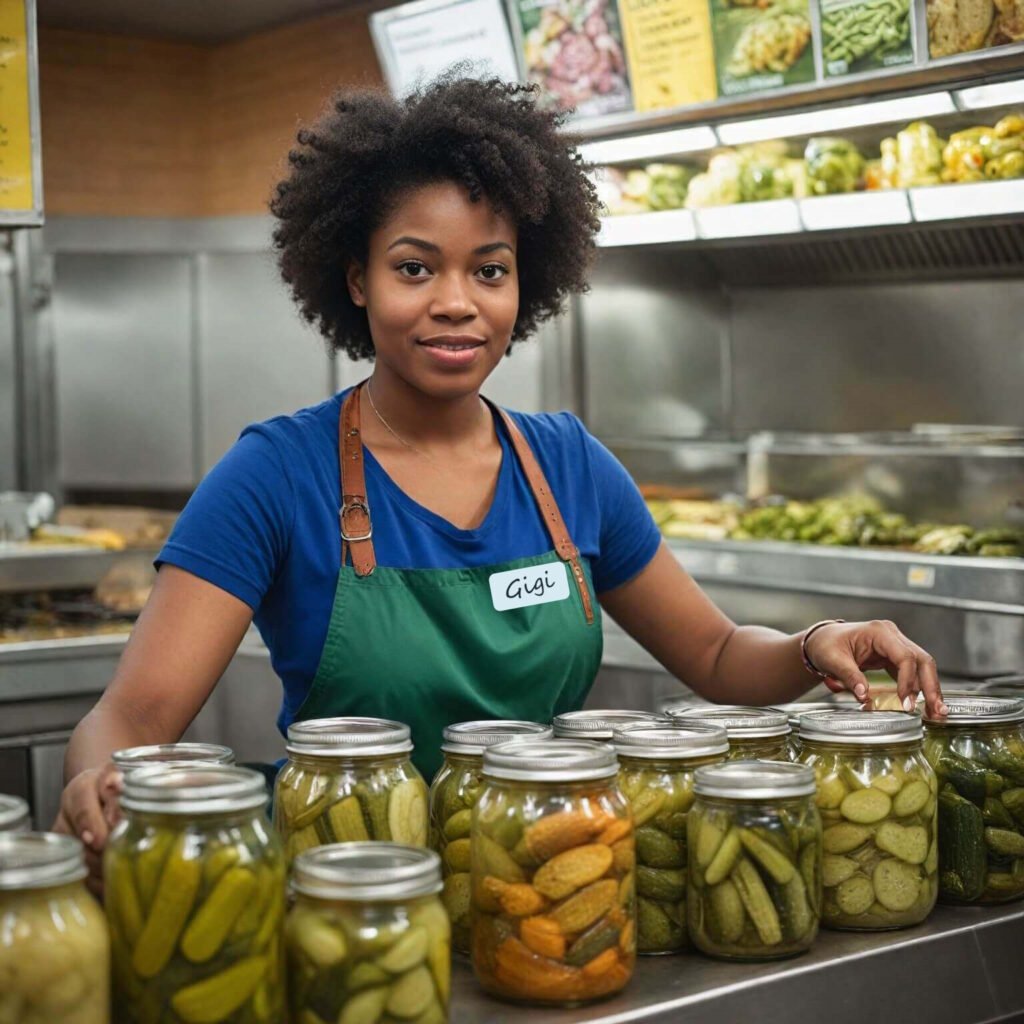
(17, 192)
(671, 56)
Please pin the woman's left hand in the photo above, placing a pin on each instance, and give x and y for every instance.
(844, 651)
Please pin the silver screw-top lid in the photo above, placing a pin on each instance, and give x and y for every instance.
(754, 780)
(473, 738)
(796, 710)
(13, 814)
(741, 723)
(669, 740)
(987, 710)
(172, 755)
(349, 737)
(598, 724)
(367, 871)
(39, 860)
(555, 760)
(861, 727)
(211, 789)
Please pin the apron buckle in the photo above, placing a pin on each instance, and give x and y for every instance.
(355, 506)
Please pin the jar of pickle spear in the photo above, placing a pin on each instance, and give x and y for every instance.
(453, 794)
(977, 751)
(760, 734)
(553, 875)
(172, 755)
(657, 762)
(13, 814)
(754, 860)
(795, 711)
(876, 795)
(349, 780)
(598, 724)
(194, 881)
(54, 949)
(368, 939)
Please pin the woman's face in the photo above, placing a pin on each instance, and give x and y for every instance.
(440, 290)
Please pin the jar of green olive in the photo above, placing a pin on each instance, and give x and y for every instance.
(977, 751)
(657, 763)
(876, 795)
(13, 814)
(754, 860)
(349, 780)
(194, 884)
(172, 755)
(368, 938)
(760, 734)
(54, 949)
(453, 794)
(552, 874)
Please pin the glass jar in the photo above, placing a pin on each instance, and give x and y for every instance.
(977, 752)
(656, 771)
(796, 710)
(760, 734)
(876, 795)
(597, 724)
(453, 794)
(172, 755)
(54, 949)
(754, 874)
(194, 882)
(553, 874)
(13, 814)
(368, 938)
(349, 780)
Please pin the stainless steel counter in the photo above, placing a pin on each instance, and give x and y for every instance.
(962, 966)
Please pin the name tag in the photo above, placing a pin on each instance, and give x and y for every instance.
(539, 584)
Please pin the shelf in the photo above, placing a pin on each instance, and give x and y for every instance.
(31, 567)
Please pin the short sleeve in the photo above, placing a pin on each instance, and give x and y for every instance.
(234, 531)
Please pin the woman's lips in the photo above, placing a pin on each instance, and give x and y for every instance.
(452, 352)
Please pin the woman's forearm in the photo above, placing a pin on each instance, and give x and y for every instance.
(757, 665)
(102, 731)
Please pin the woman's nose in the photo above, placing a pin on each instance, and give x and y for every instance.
(452, 299)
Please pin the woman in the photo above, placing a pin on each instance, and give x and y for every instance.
(476, 549)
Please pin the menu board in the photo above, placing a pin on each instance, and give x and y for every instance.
(961, 26)
(762, 45)
(865, 35)
(671, 55)
(20, 179)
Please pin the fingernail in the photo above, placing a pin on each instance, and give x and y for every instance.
(908, 703)
(943, 710)
(87, 838)
(860, 691)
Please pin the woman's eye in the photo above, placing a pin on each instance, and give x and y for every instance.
(412, 269)
(493, 272)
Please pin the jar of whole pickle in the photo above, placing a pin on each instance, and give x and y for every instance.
(13, 814)
(54, 949)
(977, 752)
(172, 755)
(754, 871)
(194, 883)
(795, 711)
(368, 939)
(349, 780)
(657, 762)
(453, 794)
(760, 734)
(876, 795)
(598, 724)
(552, 874)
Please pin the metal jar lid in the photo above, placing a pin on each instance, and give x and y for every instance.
(861, 727)
(349, 737)
(167, 755)
(754, 780)
(39, 860)
(669, 740)
(987, 710)
(741, 723)
(796, 710)
(598, 724)
(472, 738)
(211, 789)
(366, 872)
(13, 814)
(555, 760)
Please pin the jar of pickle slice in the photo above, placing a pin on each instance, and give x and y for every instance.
(598, 724)
(876, 794)
(349, 780)
(453, 794)
(754, 865)
(977, 751)
(795, 711)
(54, 949)
(656, 773)
(13, 814)
(368, 939)
(552, 874)
(172, 755)
(760, 734)
(194, 881)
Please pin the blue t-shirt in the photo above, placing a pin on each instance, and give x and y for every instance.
(263, 524)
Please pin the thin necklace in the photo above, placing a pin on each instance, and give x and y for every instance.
(394, 433)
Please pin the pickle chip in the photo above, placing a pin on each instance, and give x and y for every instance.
(896, 884)
(407, 813)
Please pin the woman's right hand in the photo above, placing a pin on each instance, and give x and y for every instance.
(89, 808)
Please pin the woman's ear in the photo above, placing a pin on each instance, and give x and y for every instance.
(355, 278)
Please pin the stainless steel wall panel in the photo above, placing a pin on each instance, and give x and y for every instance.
(8, 376)
(124, 370)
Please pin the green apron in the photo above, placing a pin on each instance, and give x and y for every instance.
(428, 646)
